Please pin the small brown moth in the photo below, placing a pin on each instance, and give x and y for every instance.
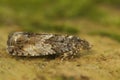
(35, 44)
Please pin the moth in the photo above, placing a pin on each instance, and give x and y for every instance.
(36, 44)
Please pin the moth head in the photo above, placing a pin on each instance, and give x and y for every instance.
(15, 40)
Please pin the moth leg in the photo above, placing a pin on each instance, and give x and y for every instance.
(68, 55)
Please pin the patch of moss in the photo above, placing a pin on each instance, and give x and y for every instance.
(46, 27)
(107, 34)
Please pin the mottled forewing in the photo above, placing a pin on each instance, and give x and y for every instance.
(36, 45)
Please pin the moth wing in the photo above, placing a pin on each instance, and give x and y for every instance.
(36, 46)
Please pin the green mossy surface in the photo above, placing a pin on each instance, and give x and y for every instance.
(97, 21)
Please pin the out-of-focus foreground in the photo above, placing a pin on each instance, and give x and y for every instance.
(97, 21)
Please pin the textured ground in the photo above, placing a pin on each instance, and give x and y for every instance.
(101, 63)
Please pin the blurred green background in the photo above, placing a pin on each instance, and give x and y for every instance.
(101, 17)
